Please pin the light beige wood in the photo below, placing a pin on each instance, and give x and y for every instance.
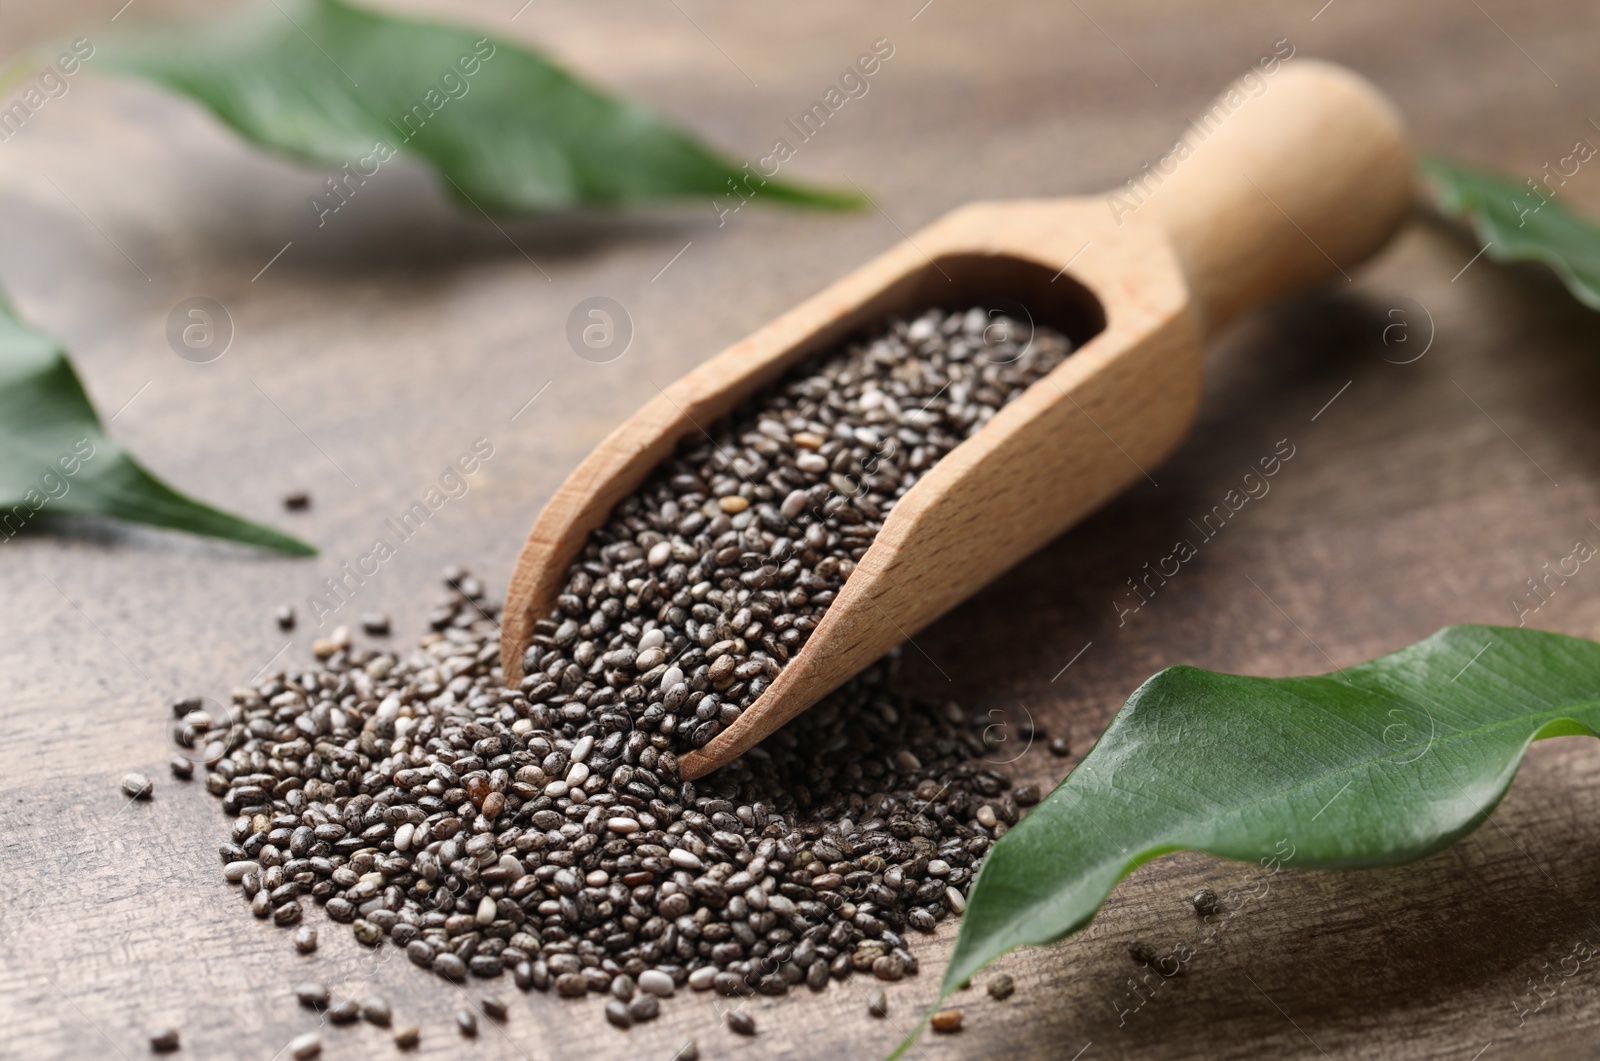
(1267, 193)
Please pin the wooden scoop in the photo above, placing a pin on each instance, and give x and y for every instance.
(1270, 190)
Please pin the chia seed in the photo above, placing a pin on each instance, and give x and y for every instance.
(545, 830)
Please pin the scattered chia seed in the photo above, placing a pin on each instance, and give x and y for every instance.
(297, 501)
(1060, 747)
(878, 1003)
(494, 1007)
(305, 939)
(164, 1040)
(467, 1023)
(1205, 902)
(376, 1011)
(946, 1021)
(687, 1052)
(544, 830)
(182, 768)
(1002, 987)
(285, 617)
(375, 624)
(1142, 952)
(312, 995)
(344, 1011)
(137, 786)
(408, 1037)
(305, 1046)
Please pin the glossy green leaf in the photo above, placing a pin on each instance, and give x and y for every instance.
(507, 129)
(55, 458)
(1519, 222)
(1375, 765)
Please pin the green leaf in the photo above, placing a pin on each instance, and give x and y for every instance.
(1375, 765)
(1518, 223)
(55, 458)
(509, 130)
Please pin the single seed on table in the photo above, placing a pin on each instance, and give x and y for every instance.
(1001, 987)
(449, 965)
(284, 615)
(878, 1003)
(234, 872)
(344, 1011)
(136, 786)
(493, 1006)
(305, 1046)
(182, 768)
(466, 1023)
(687, 1052)
(741, 1022)
(296, 500)
(312, 994)
(305, 939)
(617, 1013)
(164, 1040)
(408, 1037)
(946, 1021)
(1205, 902)
(376, 1011)
(1026, 795)
(375, 623)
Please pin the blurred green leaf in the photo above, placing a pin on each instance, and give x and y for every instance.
(508, 130)
(56, 458)
(1374, 765)
(1518, 224)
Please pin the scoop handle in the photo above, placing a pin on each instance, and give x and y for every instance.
(1290, 177)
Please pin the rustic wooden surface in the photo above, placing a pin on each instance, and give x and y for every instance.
(378, 347)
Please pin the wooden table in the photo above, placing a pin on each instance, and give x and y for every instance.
(376, 348)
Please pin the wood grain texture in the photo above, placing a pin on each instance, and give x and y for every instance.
(1424, 494)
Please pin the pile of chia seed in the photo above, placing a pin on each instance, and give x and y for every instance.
(711, 576)
(544, 831)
